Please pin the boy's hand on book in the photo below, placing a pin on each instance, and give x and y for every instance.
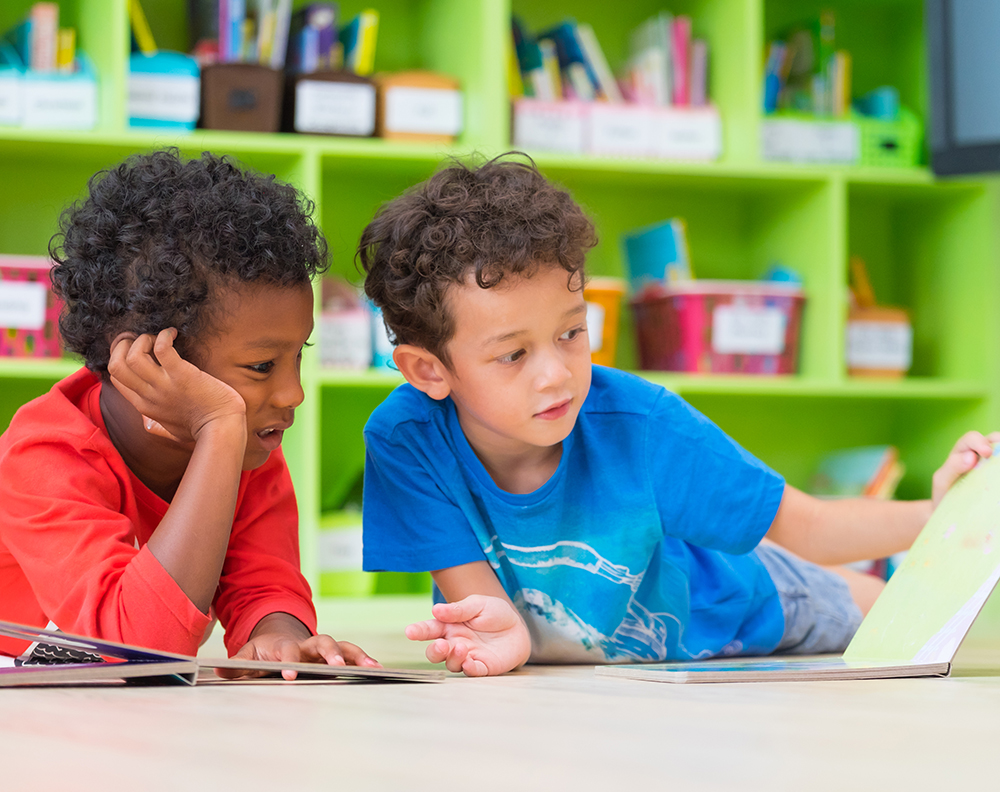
(969, 449)
(176, 399)
(284, 648)
(479, 635)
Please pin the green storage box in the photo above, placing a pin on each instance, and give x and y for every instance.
(890, 144)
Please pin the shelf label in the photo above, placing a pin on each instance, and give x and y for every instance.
(423, 111)
(163, 97)
(335, 108)
(621, 130)
(22, 305)
(340, 549)
(879, 345)
(791, 140)
(748, 330)
(53, 103)
(11, 97)
(595, 325)
(548, 126)
(694, 134)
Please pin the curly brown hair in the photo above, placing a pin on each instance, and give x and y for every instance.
(159, 233)
(496, 219)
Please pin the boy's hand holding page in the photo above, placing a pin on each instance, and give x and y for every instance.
(479, 635)
(969, 449)
(283, 638)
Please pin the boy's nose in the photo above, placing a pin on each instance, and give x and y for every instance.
(290, 392)
(552, 370)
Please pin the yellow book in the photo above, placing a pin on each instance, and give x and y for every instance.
(66, 49)
(140, 28)
(366, 47)
(515, 84)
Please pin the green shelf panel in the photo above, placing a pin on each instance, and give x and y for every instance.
(795, 386)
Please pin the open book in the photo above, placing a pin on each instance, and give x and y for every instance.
(919, 620)
(62, 658)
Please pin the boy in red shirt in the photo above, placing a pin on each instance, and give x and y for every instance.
(147, 491)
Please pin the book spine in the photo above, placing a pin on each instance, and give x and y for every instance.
(282, 20)
(681, 60)
(66, 53)
(699, 73)
(44, 31)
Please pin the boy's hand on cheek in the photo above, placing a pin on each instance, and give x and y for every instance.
(967, 452)
(479, 635)
(176, 399)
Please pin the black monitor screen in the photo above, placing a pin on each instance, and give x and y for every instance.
(963, 45)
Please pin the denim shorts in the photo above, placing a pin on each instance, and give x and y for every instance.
(820, 614)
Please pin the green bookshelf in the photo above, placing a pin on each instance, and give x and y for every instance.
(930, 246)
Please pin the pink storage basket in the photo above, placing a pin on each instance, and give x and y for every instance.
(720, 327)
(22, 303)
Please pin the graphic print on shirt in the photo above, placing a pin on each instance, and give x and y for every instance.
(558, 634)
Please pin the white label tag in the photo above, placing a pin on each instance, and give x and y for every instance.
(595, 325)
(340, 550)
(60, 104)
(345, 339)
(538, 128)
(163, 97)
(745, 330)
(810, 141)
(687, 134)
(11, 97)
(424, 111)
(336, 108)
(620, 130)
(22, 305)
(879, 345)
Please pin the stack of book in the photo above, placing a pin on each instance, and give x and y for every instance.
(44, 83)
(269, 32)
(567, 98)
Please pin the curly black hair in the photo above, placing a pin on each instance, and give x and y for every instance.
(497, 219)
(158, 234)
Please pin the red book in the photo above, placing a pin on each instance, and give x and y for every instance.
(681, 52)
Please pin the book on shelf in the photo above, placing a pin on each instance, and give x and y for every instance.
(53, 657)
(358, 38)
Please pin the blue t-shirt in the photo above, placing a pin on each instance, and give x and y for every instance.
(636, 549)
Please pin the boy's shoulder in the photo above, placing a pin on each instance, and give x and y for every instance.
(63, 414)
(405, 406)
(615, 391)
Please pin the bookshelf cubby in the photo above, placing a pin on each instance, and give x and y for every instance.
(930, 246)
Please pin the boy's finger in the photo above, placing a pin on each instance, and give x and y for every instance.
(461, 611)
(457, 656)
(355, 655)
(425, 630)
(474, 668)
(438, 651)
(164, 348)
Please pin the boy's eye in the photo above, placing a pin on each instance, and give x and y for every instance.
(513, 357)
(262, 368)
(569, 335)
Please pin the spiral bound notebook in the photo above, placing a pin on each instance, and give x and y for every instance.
(918, 622)
(58, 658)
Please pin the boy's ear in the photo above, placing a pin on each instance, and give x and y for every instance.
(423, 370)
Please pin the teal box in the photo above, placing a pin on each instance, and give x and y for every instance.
(164, 91)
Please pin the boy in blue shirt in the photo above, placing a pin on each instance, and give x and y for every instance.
(569, 512)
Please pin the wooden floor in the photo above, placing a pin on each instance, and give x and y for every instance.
(541, 729)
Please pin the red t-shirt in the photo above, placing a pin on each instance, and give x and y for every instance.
(74, 522)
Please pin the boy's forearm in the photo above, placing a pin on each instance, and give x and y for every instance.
(840, 531)
(191, 540)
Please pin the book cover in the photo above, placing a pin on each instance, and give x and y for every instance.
(56, 657)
